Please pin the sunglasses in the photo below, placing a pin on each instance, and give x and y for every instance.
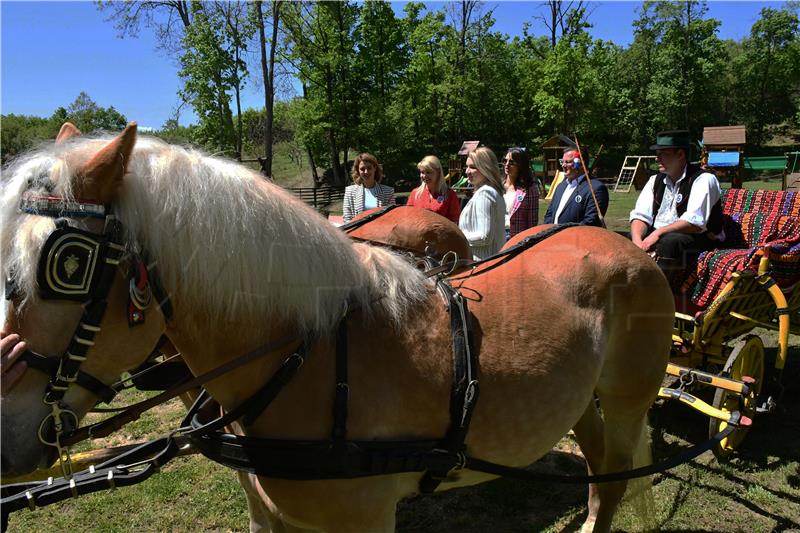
(510, 162)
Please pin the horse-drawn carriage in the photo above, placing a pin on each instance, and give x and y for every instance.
(354, 432)
(752, 281)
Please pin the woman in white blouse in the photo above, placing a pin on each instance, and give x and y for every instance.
(367, 193)
(483, 218)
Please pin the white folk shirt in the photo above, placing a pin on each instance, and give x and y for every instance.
(569, 191)
(705, 192)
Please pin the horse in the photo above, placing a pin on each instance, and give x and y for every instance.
(583, 317)
(413, 229)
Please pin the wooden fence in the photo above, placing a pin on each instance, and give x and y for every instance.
(318, 197)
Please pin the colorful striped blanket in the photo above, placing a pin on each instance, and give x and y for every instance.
(757, 224)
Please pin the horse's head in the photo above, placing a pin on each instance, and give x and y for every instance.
(76, 290)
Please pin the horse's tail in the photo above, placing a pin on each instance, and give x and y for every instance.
(639, 495)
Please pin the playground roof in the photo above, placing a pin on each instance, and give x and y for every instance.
(559, 141)
(724, 135)
(468, 147)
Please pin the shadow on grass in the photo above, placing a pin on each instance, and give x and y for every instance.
(781, 522)
(502, 505)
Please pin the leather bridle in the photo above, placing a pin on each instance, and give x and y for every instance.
(79, 265)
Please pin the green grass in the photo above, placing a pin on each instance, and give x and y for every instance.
(290, 166)
(759, 490)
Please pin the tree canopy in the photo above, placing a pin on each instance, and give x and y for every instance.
(405, 85)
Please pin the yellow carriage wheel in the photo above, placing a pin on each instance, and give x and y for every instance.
(746, 361)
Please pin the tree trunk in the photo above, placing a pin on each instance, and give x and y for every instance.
(333, 149)
(762, 97)
(221, 111)
(338, 179)
(434, 101)
(685, 74)
(239, 133)
(270, 108)
(268, 73)
(311, 161)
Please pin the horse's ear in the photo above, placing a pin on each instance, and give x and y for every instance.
(67, 131)
(103, 173)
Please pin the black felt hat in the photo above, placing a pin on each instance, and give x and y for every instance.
(671, 139)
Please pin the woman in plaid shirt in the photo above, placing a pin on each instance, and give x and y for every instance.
(521, 192)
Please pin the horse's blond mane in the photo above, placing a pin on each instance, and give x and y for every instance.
(229, 245)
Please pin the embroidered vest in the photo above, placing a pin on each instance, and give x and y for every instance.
(714, 223)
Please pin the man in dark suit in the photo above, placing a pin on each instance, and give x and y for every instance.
(572, 200)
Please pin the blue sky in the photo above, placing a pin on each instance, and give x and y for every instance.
(51, 51)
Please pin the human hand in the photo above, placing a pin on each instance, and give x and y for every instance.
(650, 241)
(11, 370)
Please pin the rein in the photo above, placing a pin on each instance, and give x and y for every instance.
(503, 256)
(133, 412)
(357, 223)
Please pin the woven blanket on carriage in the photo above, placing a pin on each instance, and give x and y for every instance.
(757, 224)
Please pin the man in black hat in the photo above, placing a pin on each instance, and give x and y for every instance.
(678, 213)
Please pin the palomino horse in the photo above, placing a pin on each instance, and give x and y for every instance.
(583, 315)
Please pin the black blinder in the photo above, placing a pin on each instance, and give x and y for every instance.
(72, 261)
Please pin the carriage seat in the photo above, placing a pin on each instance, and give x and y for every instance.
(757, 224)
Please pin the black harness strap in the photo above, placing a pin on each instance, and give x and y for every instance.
(161, 296)
(127, 469)
(353, 224)
(342, 394)
(687, 455)
(299, 460)
(339, 457)
(251, 409)
(109, 425)
(49, 366)
(506, 255)
(464, 391)
(111, 251)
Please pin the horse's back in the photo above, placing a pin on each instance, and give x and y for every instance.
(414, 229)
(581, 267)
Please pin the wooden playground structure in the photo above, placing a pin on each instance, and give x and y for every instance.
(723, 152)
(635, 171)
